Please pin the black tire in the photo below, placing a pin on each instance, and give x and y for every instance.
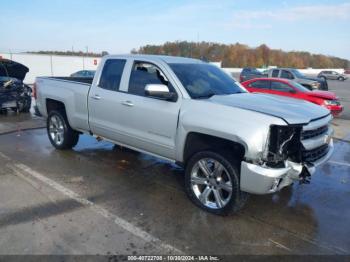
(27, 103)
(341, 78)
(69, 136)
(324, 78)
(238, 198)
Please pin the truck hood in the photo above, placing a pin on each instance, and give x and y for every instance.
(9, 68)
(292, 111)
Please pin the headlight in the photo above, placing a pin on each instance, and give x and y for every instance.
(331, 102)
(284, 143)
(315, 84)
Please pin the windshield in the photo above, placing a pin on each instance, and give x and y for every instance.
(205, 80)
(299, 87)
(298, 74)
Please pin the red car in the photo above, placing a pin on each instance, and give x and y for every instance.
(284, 87)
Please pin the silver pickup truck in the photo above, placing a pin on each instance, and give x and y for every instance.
(310, 83)
(192, 113)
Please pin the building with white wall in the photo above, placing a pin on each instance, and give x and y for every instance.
(57, 65)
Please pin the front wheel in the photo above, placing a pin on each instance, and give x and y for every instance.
(61, 135)
(212, 183)
(341, 78)
(25, 104)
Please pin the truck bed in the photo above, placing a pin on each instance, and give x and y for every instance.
(72, 91)
(74, 79)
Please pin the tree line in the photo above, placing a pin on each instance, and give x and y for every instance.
(70, 53)
(240, 55)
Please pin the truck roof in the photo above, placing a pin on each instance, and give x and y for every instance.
(164, 58)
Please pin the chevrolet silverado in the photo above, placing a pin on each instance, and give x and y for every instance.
(229, 141)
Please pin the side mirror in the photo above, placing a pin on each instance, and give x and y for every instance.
(159, 91)
(292, 91)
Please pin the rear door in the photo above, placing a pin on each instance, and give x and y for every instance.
(105, 101)
(151, 123)
(259, 86)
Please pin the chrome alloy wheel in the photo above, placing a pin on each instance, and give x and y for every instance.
(211, 183)
(56, 129)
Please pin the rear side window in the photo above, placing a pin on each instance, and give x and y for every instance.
(282, 87)
(275, 73)
(112, 74)
(261, 84)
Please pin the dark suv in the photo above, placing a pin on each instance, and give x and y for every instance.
(250, 73)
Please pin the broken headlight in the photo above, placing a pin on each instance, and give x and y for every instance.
(283, 143)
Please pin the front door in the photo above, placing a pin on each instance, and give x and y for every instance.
(151, 123)
(283, 89)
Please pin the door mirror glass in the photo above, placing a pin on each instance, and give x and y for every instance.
(159, 91)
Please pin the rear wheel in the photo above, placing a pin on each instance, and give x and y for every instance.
(61, 135)
(212, 183)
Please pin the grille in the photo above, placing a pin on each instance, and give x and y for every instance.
(314, 133)
(315, 154)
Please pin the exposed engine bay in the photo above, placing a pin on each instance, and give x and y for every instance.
(287, 146)
(14, 94)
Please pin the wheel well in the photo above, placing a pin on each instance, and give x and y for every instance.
(196, 142)
(54, 105)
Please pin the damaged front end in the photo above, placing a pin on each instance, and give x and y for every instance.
(285, 149)
(14, 95)
(291, 154)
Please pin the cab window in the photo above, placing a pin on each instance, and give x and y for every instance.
(261, 84)
(281, 87)
(286, 74)
(275, 73)
(144, 73)
(112, 74)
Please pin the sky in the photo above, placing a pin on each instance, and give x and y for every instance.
(317, 26)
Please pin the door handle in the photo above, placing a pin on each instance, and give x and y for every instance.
(127, 103)
(96, 97)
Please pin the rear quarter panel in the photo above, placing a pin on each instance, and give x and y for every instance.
(72, 94)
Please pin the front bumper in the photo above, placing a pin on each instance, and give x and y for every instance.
(258, 179)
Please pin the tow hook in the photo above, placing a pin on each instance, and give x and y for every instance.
(305, 176)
